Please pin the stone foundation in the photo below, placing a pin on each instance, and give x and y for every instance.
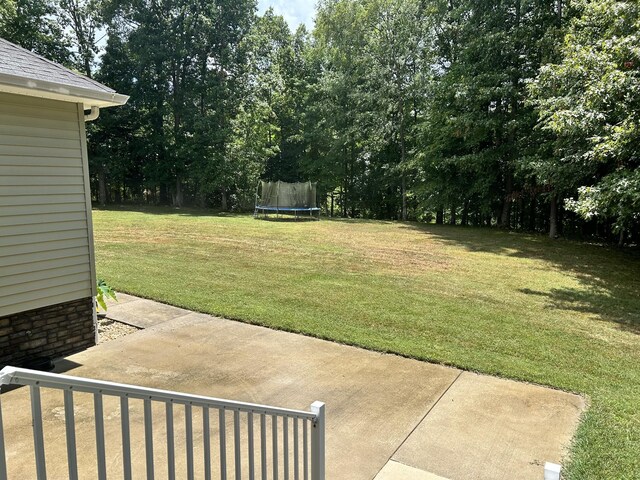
(53, 331)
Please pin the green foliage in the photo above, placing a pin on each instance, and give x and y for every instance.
(478, 127)
(590, 102)
(517, 113)
(375, 57)
(182, 65)
(7, 11)
(82, 18)
(32, 24)
(104, 292)
(617, 196)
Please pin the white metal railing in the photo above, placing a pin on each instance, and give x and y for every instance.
(302, 457)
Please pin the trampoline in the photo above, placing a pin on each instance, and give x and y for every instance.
(298, 199)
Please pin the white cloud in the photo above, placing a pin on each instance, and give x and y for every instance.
(294, 12)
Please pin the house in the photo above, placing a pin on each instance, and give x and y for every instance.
(47, 271)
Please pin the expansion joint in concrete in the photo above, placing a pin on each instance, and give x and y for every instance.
(426, 414)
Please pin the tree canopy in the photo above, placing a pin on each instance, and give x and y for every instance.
(521, 114)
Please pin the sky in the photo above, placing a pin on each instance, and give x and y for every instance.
(294, 12)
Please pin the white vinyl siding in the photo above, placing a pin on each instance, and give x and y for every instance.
(45, 227)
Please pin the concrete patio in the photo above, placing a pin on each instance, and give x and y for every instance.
(388, 418)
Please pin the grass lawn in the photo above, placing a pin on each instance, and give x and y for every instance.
(557, 313)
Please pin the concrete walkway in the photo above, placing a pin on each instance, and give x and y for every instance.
(388, 418)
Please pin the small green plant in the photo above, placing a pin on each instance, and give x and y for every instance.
(104, 292)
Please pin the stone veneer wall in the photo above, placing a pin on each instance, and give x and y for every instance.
(53, 331)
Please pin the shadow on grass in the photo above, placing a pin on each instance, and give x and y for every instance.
(610, 277)
(287, 219)
(204, 212)
(183, 212)
(199, 212)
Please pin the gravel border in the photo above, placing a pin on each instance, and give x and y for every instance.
(109, 329)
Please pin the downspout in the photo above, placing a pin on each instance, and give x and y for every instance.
(91, 116)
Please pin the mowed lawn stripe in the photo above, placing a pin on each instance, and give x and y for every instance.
(558, 313)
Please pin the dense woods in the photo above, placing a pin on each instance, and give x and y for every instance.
(522, 114)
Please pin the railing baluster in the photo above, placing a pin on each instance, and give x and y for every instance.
(3, 458)
(126, 438)
(252, 468)
(206, 436)
(263, 446)
(285, 446)
(148, 438)
(296, 448)
(305, 449)
(236, 441)
(171, 452)
(223, 445)
(38, 435)
(274, 441)
(100, 452)
(313, 427)
(188, 424)
(70, 426)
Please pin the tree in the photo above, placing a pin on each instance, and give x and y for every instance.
(186, 56)
(338, 40)
(115, 141)
(479, 126)
(32, 25)
(398, 55)
(83, 18)
(590, 102)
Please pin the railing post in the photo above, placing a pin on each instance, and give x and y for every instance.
(313, 462)
(317, 442)
(3, 458)
(552, 471)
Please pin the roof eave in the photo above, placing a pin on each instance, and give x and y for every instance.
(56, 91)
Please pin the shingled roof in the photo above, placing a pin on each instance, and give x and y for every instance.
(24, 72)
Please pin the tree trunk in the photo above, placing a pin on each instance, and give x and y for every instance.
(223, 201)
(506, 214)
(87, 65)
(465, 214)
(164, 194)
(553, 217)
(403, 154)
(452, 218)
(178, 199)
(621, 238)
(532, 213)
(102, 186)
(559, 10)
(506, 206)
(521, 213)
(440, 216)
(331, 214)
(404, 199)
